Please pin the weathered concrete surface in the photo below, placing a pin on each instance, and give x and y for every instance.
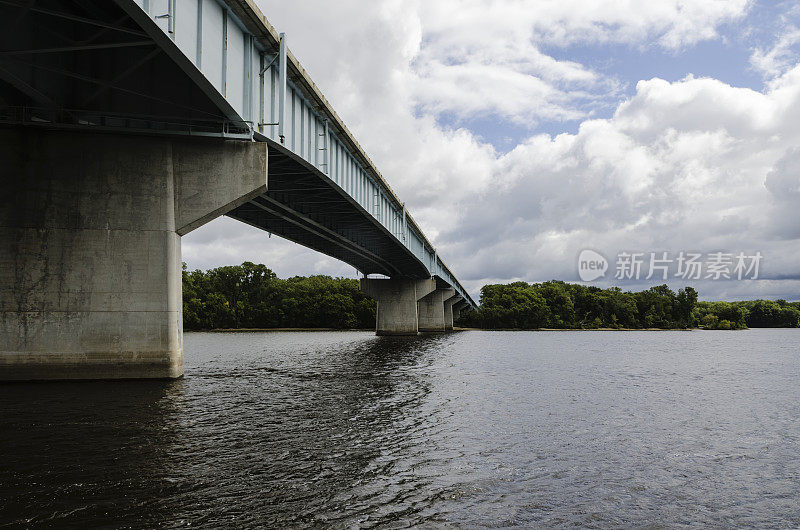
(448, 310)
(210, 182)
(397, 303)
(431, 310)
(90, 259)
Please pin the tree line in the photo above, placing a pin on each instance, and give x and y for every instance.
(749, 314)
(252, 296)
(561, 305)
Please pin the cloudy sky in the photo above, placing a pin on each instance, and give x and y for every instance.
(521, 133)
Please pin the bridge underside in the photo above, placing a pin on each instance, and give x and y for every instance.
(87, 64)
(303, 205)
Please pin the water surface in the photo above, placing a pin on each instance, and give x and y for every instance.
(600, 429)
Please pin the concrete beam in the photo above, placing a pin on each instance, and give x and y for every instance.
(213, 178)
(90, 255)
(397, 303)
(431, 310)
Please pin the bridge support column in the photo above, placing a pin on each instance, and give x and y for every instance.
(448, 311)
(431, 310)
(90, 251)
(397, 303)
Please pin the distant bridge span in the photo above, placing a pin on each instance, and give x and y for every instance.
(126, 124)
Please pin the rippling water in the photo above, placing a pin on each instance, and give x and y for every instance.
(466, 429)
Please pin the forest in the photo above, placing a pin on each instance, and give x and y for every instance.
(561, 305)
(750, 314)
(252, 296)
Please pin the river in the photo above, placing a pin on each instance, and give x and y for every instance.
(475, 428)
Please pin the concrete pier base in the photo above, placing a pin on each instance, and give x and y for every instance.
(397, 303)
(431, 310)
(90, 252)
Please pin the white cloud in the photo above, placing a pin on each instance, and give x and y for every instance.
(474, 89)
(672, 23)
(777, 59)
(485, 58)
(482, 58)
(782, 35)
(783, 183)
(690, 165)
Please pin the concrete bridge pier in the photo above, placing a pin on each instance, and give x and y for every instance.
(448, 310)
(397, 303)
(432, 311)
(90, 251)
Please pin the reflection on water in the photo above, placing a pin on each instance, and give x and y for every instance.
(473, 428)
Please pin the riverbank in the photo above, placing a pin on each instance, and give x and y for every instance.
(579, 329)
(246, 330)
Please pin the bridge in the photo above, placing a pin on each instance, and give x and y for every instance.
(126, 124)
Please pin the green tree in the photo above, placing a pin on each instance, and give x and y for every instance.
(684, 303)
(251, 296)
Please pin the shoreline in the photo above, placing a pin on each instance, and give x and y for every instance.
(582, 329)
(246, 330)
(261, 330)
